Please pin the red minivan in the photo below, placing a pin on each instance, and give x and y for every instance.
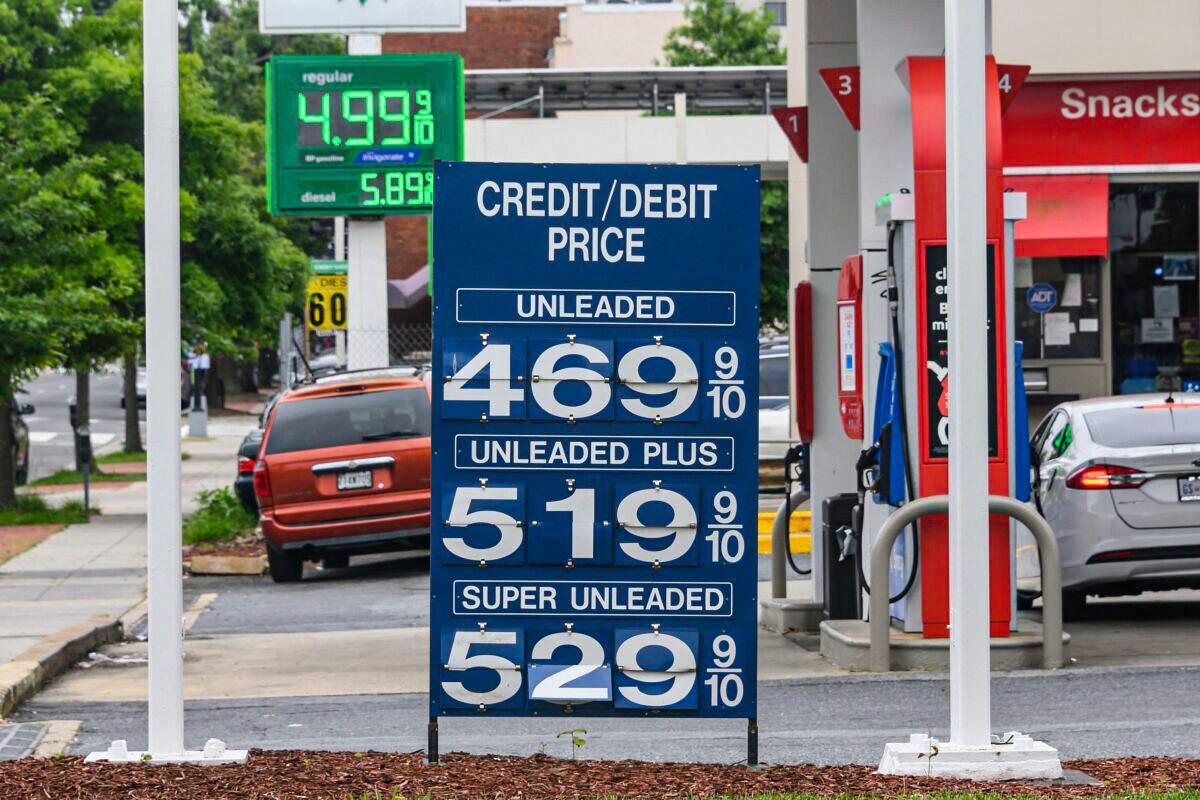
(344, 469)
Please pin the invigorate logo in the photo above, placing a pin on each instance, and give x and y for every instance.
(1077, 103)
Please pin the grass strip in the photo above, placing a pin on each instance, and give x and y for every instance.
(121, 457)
(66, 477)
(32, 509)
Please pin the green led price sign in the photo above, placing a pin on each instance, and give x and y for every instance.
(358, 135)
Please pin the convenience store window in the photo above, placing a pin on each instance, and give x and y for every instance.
(1069, 329)
(1154, 238)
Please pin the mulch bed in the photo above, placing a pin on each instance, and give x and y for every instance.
(337, 776)
(125, 468)
(16, 539)
(245, 546)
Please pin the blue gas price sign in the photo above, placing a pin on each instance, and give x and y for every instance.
(595, 438)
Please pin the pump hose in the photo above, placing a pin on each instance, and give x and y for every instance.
(893, 303)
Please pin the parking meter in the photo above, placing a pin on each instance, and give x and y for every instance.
(73, 413)
(83, 445)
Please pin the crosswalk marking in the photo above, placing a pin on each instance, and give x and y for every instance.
(44, 437)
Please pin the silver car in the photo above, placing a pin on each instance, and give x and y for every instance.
(1118, 478)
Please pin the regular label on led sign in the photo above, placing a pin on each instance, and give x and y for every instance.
(359, 134)
(595, 390)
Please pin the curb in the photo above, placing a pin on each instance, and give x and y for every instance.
(22, 677)
(227, 565)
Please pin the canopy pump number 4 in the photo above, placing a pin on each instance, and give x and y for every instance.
(655, 379)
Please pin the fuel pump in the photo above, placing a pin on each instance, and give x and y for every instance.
(907, 453)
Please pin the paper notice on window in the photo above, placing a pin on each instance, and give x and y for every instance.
(1072, 296)
(1158, 330)
(1087, 325)
(1166, 301)
(1023, 272)
(1056, 329)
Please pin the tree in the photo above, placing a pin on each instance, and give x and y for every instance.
(718, 33)
(49, 196)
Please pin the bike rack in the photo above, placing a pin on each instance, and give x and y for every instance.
(1052, 645)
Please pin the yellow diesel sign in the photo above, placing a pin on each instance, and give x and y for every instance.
(327, 302)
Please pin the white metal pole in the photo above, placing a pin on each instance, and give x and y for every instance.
(681, 148)
(966, 217)
(161, 65)
(366, 283)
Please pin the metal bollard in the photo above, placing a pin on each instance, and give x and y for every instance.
(880, 622)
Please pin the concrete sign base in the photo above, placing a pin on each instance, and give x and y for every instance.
(214, 753)
(1012, 756)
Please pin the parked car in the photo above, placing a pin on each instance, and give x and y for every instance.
(20, 440)
(774, 412)
(1118, 479)
(344, 469)
(243, 483)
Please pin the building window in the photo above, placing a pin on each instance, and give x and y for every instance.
(1058, 308)
(778, 12)
(1154, 236)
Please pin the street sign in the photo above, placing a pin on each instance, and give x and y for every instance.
(358, 135)
(363, 16)
(325, 306)
(595, 437)
(320, 266)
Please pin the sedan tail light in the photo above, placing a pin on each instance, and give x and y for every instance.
(1106, 476)
(262, 480)
(245, 465)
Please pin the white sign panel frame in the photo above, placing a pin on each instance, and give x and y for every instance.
(362, 16)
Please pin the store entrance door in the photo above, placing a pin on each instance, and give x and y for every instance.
(1154, 235)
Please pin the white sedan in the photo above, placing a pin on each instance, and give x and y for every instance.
(1118, 479)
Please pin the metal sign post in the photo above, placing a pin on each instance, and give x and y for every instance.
(160, 38)
(966, 217)
(595, 394)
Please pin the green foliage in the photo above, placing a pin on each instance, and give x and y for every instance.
(577, 739)
(773, 263)
(221, 517)
(32, 509)
(70, 477)
(718, 33)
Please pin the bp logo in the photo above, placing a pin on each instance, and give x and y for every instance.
(1041, 297)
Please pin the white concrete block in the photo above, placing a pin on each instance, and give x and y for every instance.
(1013, 756)
(214, 753)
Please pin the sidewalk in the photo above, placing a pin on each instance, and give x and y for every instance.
(73, 587)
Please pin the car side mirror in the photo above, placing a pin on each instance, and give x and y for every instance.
(25, 409)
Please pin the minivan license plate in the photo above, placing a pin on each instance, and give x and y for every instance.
(362, 480)
(1189, 489)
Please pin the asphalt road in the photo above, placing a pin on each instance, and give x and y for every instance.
(1085, 713)
(51, 440)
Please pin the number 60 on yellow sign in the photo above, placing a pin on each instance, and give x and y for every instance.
(325, 306)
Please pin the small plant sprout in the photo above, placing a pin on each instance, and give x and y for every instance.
(577, 739)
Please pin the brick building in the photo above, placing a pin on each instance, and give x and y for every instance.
(499, 35)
